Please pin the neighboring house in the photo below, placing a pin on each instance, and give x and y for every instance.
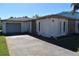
(51, 25)
(16, 25)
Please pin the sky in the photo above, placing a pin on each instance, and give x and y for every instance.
(30, 9)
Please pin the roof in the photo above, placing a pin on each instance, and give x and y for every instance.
(70, 15)
(54, 16)
(17, 19)
(66, 15)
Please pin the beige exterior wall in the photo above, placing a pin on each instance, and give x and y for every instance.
(51, 27)
(25, 26)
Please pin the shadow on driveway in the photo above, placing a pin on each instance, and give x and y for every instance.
(70, 42)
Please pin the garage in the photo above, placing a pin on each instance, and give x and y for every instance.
(13, 28)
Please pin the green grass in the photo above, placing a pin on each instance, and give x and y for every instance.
(3, 47)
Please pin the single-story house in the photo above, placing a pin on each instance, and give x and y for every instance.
(57, 24)
(51, 25)
(16, 25)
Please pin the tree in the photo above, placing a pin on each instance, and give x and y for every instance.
(11, 17)
(36, 16)
(26, 16)
(75, 7)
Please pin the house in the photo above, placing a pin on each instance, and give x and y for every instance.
(49, 26)
(58, 24)
(16, 25)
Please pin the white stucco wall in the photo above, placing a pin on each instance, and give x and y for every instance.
(62, 32)
(25, 26)
(49, 28)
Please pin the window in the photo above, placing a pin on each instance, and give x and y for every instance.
(39, 26)
(78, 26)
(64, 26)
(60, 27)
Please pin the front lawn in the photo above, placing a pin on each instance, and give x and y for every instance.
(3, 47)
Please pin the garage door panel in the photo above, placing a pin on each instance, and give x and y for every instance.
(13, 27)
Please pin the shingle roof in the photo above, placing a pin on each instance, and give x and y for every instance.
(70, 15)
(17, 19)
(67, 15)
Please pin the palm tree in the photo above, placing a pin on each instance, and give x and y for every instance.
(75, 7)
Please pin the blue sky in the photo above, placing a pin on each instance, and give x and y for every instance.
(30, 9)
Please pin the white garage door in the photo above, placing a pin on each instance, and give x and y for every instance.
(13, 27)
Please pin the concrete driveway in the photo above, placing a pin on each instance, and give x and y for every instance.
(26, 45)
